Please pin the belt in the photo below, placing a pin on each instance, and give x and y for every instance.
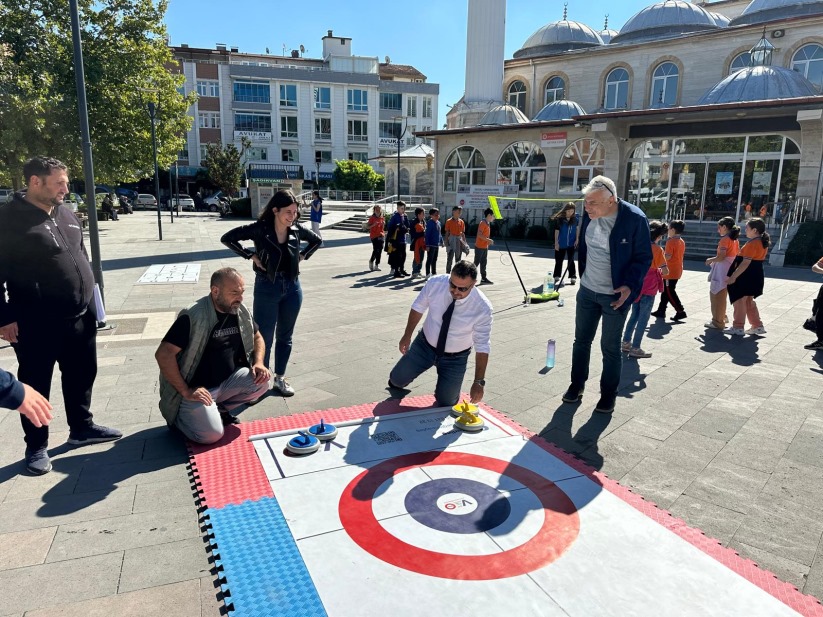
(445, 354)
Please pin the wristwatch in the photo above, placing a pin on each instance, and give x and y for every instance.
(480, 382)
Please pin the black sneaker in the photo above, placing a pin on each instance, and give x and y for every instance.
(486, 282)
(37, 461)
(93, 433)
(605, 404)
(679, 316)
(659, 314)
(573, 394)
(816, 346)
(227, 418)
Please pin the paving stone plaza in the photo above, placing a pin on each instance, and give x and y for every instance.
(725, 434)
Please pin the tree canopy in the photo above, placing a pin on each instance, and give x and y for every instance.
(356, 176)
(224, 165)
(125, 53)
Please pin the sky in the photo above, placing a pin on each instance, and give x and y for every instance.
(427, 34)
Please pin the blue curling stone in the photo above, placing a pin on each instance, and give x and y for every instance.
(323, 431)
(303, 443)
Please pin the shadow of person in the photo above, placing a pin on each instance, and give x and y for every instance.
(91, 475)
(658, 328)
(584, 443)
(743, 350)
(818, 358)
(351, 274)
(631, 379)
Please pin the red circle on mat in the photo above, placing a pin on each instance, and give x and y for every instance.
(561, 523)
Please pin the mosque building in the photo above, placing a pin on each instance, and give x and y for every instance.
(695, 109)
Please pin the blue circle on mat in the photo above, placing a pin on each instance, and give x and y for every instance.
(485, 507)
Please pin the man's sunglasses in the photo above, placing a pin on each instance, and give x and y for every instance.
(602, 185)
(458, 288)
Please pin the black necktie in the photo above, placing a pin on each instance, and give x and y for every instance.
(444, 330)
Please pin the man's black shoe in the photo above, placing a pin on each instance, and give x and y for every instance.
(573, 394)
(227, 418)
(486, 282)
(659, 314)
(605, 404)
(680, 315)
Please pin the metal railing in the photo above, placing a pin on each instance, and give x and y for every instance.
(793, 213)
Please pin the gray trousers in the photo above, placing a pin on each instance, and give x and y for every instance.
(201, 423)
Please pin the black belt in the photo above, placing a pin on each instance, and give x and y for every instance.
(445, 354)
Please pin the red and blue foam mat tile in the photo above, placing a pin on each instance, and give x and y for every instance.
(262, 566)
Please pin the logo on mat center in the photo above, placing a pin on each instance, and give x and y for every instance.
(456, 503)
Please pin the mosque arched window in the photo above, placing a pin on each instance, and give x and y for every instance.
(617, 89)
(524, 164)
(664, 85)
(741, 61)
(517, 95)
(808, 61)
(465, 165)
(583, 160)
(555, 90)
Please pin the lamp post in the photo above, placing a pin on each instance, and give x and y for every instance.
(399, 140)
(151, 107)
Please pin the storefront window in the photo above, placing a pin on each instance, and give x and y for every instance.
(524, 164)
(581, 161)
(465, 165)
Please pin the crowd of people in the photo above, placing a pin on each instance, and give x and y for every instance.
(218, 353)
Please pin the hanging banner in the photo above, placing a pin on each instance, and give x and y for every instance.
(686, 181)
(761, 183)
(723, 183)
(477, 195)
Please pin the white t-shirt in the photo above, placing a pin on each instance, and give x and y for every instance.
(471, 323)
(598, 274)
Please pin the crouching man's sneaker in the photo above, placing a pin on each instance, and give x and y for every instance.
(94, 433)
(37, 461)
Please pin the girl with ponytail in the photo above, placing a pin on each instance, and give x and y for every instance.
(745, 282)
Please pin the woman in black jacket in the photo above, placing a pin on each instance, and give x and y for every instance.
(277, 294)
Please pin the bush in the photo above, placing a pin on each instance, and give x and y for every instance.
(807, 245)
(517, 230)
(537, 232)
(241, 207)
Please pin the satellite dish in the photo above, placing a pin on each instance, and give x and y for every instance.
(302, 49)
(388, 60)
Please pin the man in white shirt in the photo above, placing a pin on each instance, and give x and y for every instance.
(454, 301)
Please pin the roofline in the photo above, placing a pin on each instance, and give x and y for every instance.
(495, 127)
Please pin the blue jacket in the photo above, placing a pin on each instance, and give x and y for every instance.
(11, 391)
(631, 250)
(567, 233)
(401, 224)
(433, 235)
(316, 216)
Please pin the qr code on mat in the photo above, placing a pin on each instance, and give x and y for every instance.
(386, 437)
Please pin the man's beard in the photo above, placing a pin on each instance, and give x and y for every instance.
(224, 307)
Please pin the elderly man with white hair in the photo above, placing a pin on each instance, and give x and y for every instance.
(614, 256)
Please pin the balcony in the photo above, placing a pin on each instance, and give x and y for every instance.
(274, 171)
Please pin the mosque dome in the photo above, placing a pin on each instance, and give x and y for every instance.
(666, 19)
(503, 114)
(761, 11)
(720, 19)
(607, 34)
(559, 110)
(759, 83)
(557, 37)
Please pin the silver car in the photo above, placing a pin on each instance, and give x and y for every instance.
(144, 201)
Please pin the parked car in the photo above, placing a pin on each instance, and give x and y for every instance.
(73, 200)
(6, 195)
(145, 201)
(184, 201)
(217, 202)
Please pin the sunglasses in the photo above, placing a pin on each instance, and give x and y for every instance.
(601, 185)
(458, 288)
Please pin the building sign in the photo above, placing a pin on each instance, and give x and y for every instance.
(324, 175)
(477, 195)
(387, 142)
(553, 140)
(723, 183)
(253, 135)
(761, 182)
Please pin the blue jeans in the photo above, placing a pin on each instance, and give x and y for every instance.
(591, 308)
(421, 357)
(276, 306)
(638, 320)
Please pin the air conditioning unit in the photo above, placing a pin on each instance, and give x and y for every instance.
(776, 34)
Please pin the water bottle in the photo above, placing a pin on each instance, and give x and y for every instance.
(550, 353)
(548, 284)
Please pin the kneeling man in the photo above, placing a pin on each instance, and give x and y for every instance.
(459, 318)
(211, 361)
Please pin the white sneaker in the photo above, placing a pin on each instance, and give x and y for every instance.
(636, 352)
(282, 387)
(734, 331)
(710, 325)
(756, 331)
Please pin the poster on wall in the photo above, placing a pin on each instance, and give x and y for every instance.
(761, 182)
(686, 181)
(477, 195)
(723, 183)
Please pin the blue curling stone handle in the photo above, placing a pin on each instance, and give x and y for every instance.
(303, 440)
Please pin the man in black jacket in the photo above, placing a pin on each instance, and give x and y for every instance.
(48, 316)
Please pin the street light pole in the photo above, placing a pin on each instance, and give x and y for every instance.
(399, 140)
(153, 115)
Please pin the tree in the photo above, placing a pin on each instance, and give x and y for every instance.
(356, 176)
(223, 165)
(124, 51)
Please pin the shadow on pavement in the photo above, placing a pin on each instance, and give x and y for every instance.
(583, 443)
(741, 349)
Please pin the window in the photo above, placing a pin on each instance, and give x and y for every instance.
(208, 87)
(524, 164)
(391, 100)
(808, 61)
(390, 130)
(465, 165)
(325, 156)
(248, 121)
(517, 95)
(357, 100)
(582, 161)
(322, 128)
(411, 106)
(252, 92)
(208, 119)
(664, 85)
(427, 107)
(204, 151)
(617, 89)
(741, 61)
(288, 127)
(256, 154)
(288, 95)
(555, 90)
(322, 98)
(358, 130)
(363, 157)
(183, 155)
(290, 155)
